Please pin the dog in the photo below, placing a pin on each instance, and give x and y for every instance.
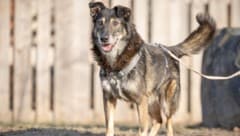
(137, 72)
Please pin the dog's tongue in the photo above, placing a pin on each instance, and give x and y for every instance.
(107, 47)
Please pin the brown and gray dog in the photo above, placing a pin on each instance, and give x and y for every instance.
(137, 72)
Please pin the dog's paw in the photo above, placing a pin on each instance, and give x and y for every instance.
(205, 19)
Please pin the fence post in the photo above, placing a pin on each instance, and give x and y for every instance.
(22, 63)
(121, 2)
(235, 13)
(141, 16)
(72, 80)
(44, 39)
(160, 30)
(179, 30)
(5, 115)
(218, 9)
(195, 97)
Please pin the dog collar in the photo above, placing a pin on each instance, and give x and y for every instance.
(125, 70)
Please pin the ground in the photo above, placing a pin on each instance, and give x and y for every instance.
(96, 130)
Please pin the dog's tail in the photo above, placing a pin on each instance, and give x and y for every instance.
(198, 38)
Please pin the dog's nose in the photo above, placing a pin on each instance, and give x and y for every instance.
(104, 39)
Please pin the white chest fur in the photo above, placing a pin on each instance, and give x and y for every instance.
(114, 85)
(116, 51)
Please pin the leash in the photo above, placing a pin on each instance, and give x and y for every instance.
(197, 72)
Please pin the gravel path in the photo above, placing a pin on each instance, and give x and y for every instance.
(99, 131)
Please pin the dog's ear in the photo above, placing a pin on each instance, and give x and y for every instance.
(123, 12)
(95, 8)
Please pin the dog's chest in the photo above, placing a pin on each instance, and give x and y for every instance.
(120, 86)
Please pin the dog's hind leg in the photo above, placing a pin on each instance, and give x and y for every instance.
(143, 116)
(170, 103)
(155, 114)
(109, 108)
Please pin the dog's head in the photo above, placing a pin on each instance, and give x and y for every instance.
(111, 27)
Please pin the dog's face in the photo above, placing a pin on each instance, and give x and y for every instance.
(111, 27)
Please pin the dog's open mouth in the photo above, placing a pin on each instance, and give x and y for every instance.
(107, 47)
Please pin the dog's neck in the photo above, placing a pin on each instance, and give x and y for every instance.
(111, 57)
(116, 61)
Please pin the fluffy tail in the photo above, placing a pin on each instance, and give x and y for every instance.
(198, 38)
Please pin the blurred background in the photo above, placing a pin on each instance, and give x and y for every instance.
(47, 72)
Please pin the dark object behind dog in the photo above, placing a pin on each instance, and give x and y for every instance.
(134, 71)
(220, 99)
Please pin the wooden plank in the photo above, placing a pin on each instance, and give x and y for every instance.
(72, 80)
(83, 11)
(195, 97)
(126, 3)
(235, 20)
(43, 55)
(140, 16)
(218, 9)
(179, 30)
(179, 24)
(22, 63)
(198, 6)
(5, 114)
(160, 30)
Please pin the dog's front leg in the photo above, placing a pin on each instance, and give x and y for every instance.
(109, 108)
(143, 116)
(169, 127)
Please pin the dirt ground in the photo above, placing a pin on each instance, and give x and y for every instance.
(95, 130)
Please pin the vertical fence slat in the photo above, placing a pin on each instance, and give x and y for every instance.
(179, 30)
(235, 4)
(160, 21)
(22, 63)
(121, 2)
(72, 80)
(218, 9)
(43, 56)
(63, 86)
(83, 47)
(5, 115)
(195, 99)
(140, 14)
(179, 24)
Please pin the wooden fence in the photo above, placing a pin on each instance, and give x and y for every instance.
(47, 74)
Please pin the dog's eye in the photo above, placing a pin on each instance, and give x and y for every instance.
(115, 23)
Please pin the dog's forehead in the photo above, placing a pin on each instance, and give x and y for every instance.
(108, 13)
